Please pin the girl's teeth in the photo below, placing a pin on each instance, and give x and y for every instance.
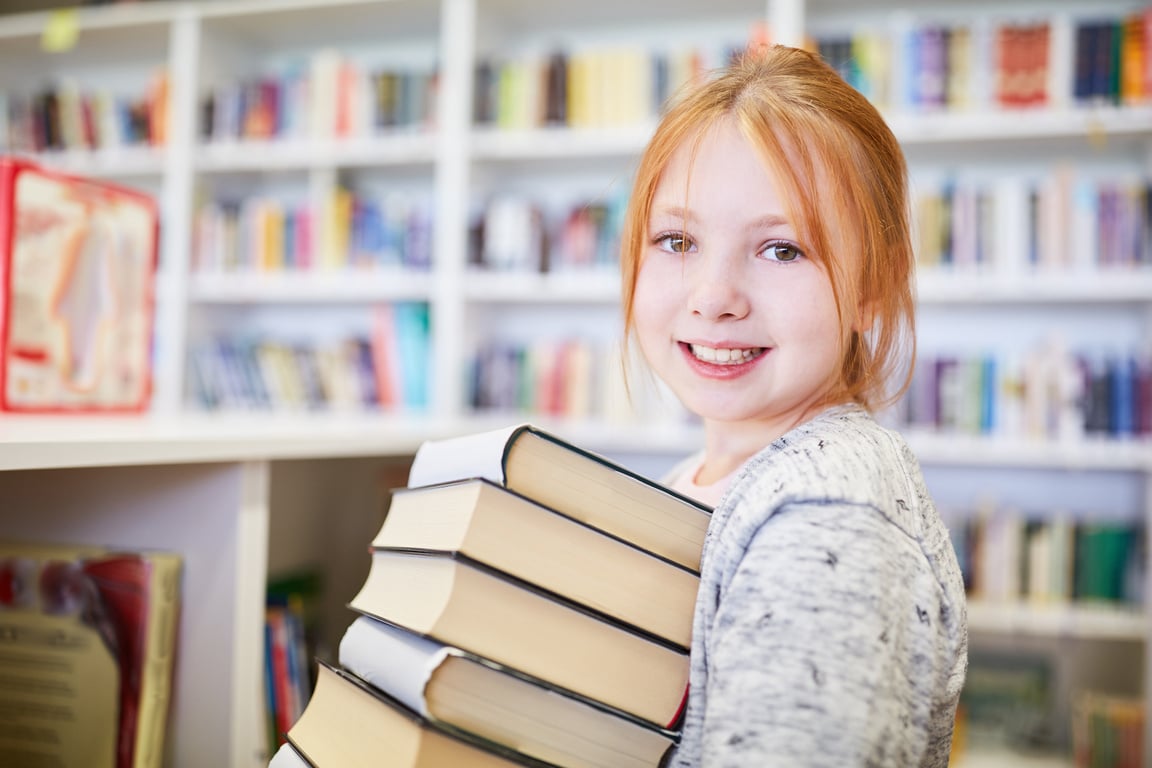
(724, 356)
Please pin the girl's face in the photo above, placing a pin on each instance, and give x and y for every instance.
(729, 310)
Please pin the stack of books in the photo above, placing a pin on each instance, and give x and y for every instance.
(528, 603)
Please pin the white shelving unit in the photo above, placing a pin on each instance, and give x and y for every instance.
(213, 486)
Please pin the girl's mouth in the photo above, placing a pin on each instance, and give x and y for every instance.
(725, 356)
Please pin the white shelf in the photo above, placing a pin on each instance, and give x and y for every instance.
(318, 286)
(559, 143)
(980, 451)
(107, 162)
(1133, 286)
(121, 16)
(1079, 620)
(933, 287)
(1005, 758)
(398, 149)
(1098, 123)
(31, 442)
(63, 442)
(595, 286)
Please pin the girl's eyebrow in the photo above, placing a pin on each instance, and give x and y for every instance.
(674, 212)
(768, 221)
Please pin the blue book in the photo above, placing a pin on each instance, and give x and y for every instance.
(1123, 397)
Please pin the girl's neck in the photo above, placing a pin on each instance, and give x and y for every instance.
(728, 444)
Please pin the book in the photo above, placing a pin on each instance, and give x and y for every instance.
(451, 686)
(87, 652)
(347, 724)
(580, 484)
(77, 276)
(479, 520)
(291, 616)
(287, 756)
(465, 604)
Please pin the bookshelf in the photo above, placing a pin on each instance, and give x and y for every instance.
(182, 458)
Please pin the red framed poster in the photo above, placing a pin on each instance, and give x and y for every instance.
(77, 292)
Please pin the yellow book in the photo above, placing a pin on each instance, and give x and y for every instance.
(349, 725)
(484, 522)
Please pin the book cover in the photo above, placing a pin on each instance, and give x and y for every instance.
(460, 690)
(574, 482)
(87, 654)
(77, 274)
(462, 603)
(349, 724)
(510, 533)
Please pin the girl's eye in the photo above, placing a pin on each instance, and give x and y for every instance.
(674, 243)
(781, 252)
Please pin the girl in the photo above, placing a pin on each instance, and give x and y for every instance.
(768, 281)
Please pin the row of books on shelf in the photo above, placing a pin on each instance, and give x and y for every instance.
(1003, 62)
(346, 230)
(384, 370)
(591, 88)
(1108, 730)
(1067, 220)
(1006, 554)
(67, 116)
(327, 96)
(570, 379)
(1011, 702)
(515, 233)
(1064, 221)
(88, 641)
(1050, 392)
(290, 646)
(508, 618)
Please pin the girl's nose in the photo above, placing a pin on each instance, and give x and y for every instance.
(717, 290)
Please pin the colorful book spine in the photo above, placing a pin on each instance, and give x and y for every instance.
(386, 369)
(328, 95)
(1052, 394)
(347, 231)
(1063, 221)
(1000, 62)
(65, 116)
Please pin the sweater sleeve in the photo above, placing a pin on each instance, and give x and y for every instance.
(822, 650)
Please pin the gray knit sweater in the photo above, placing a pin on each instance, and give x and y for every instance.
(831, 626)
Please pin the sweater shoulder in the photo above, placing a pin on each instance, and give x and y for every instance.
(842, 456)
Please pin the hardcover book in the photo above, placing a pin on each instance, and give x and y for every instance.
(463, 603)
(482, 521)
(348, 724)
(87, 652)
(458, 689)
(574, 482)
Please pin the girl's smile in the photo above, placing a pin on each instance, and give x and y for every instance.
(722, 361)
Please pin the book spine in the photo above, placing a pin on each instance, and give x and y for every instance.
(159, 660)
